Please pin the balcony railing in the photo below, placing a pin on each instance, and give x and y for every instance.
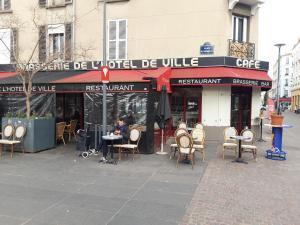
(243, 50)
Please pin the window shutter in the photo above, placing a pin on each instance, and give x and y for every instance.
(68, 41)
(14, 45)
(6, 4)
(42, 3)
(42, 44)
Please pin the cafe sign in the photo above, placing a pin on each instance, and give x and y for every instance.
(220, 81)
(146, 64)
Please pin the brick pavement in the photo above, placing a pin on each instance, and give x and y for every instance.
(262, 192)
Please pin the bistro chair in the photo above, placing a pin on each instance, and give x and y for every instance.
(12, 137)
(182, 125)
(174, 146)
(198, 136)
(132, 146)
(185, 148)
(248, 144)
(8, 132)
(20, 132)
(70, 129)
(199, 125)
(229, 143)
(60, 129)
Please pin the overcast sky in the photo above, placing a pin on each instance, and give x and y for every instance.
(279, 23)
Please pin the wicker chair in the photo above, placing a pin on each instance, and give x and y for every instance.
(60, 129)
(229, 143)
(199, 125)
(132, 146)
(185, 148)
(70, 129)
(182, 125)
(247, 145)
(12, 137)
(198, 136)
(174, 146)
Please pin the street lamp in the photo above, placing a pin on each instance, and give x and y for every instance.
(279, 45)
(104, 107)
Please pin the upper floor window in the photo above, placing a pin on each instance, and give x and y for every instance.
(240, 25)
(8, 45)
(4, 5)
(53, 3)
(287, 71)
(117, 39)
(55, 42)
(287, 60)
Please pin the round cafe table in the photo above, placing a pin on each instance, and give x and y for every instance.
(111, 138)
(240, 139)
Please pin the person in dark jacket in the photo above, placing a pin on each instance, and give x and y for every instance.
(120, 129)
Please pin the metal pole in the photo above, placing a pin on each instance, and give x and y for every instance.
(104, 108)
(278, 78)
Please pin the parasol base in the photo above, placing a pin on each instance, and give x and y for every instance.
(161, 153)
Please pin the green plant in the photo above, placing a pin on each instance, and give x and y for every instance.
(48, 115)
(9, 114)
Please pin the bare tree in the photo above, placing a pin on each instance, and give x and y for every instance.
(25, 73)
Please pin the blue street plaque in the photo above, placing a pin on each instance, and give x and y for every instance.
(207, 49)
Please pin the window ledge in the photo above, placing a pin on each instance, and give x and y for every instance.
(110, 1)
(57, 5)
(5, 11)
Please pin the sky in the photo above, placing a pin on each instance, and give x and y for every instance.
(279, 22)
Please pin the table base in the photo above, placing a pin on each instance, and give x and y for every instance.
(161, 153)
(239, 160)
(261, 140)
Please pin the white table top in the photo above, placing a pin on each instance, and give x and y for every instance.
(283, 125)
(112, 137)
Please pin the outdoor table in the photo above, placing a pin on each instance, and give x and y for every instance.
(240, 139)
(112, 138)
(189, 129)
(277, 130)
(261, 126)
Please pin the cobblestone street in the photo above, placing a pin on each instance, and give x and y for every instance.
(262, 192)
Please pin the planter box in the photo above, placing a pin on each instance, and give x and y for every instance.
(277, 120)
(40, 133)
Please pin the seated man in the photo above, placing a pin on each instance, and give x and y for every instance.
(120, 129)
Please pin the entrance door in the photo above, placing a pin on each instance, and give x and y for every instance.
(186, 106)
(70, 106)
(241, 107)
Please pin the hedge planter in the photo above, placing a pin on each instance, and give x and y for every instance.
(40, 133)
(277, 120)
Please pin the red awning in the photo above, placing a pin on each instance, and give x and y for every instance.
(117, 76)
(222, 76)
(216, 72)
(4, 75)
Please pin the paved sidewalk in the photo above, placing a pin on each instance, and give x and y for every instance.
(56, 187)
(262, 192)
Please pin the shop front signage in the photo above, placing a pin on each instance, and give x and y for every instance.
(51, 88)
(147, 64)
(220, 81)
(10, 88)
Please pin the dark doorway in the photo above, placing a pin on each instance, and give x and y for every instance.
(186, 106)
(241, 107)
(70, 106)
